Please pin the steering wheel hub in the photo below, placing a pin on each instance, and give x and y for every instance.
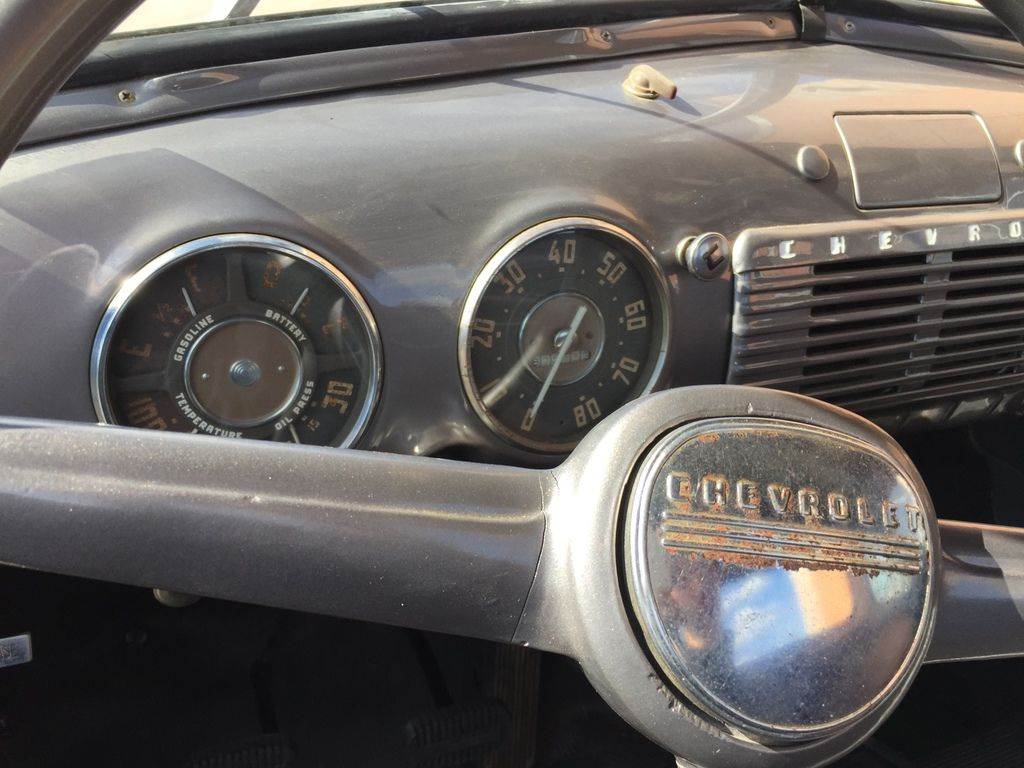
(783, 596)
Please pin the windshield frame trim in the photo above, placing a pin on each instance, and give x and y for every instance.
(133, 57)
(85, 111)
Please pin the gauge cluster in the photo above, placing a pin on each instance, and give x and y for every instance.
(249, 336)
(239, 336)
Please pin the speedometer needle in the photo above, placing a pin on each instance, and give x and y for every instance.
(569, 338)
(499, 389)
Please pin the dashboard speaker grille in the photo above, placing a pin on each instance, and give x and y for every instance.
(882, 332)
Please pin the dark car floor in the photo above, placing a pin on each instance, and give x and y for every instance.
(120, 680)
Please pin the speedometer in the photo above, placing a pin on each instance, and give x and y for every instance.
(566, 323)
(239, 336)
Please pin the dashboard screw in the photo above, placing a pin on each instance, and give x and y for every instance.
(770, 22)
(606, 36)
(126, 96)
(849, 27)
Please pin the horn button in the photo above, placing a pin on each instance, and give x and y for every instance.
(780, 574)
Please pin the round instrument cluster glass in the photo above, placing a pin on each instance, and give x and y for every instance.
(566, 323)
(239, 336)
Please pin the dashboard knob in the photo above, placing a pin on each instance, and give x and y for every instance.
(813, 163)
(706, 255)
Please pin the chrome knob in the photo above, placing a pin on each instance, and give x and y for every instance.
(706, 255)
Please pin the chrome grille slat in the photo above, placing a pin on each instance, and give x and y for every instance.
(859, 350)
(769, 344)
(877, 333)
(789, 281)
(807, 380)
(979, 386)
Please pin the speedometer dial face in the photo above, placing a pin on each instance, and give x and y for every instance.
(239, 336)
(565, 324)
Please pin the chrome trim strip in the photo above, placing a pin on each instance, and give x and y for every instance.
(498, 260)
(786, 555)
(88, 110)
(138, 280)
(761, 248)
(684, 526)
(708, 518)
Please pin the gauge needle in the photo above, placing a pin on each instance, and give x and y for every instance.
(569, 337)
(500, 388)
(188, 301)
(299, 300)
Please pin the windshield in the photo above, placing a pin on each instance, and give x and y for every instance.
(156, 15)
(160, 15)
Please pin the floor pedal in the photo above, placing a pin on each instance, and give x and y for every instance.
(261, 752)
(457, 736)
(516, 683)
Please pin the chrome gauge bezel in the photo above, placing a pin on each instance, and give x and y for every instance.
(140, 279)
(648, 264)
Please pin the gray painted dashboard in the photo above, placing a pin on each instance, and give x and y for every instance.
(410, 189)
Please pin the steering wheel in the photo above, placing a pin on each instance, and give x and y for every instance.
(748, 577)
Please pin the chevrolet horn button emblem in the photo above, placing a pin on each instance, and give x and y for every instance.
(744, 517)
(781, 574)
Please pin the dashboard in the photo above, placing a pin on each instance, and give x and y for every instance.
(484, 266)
